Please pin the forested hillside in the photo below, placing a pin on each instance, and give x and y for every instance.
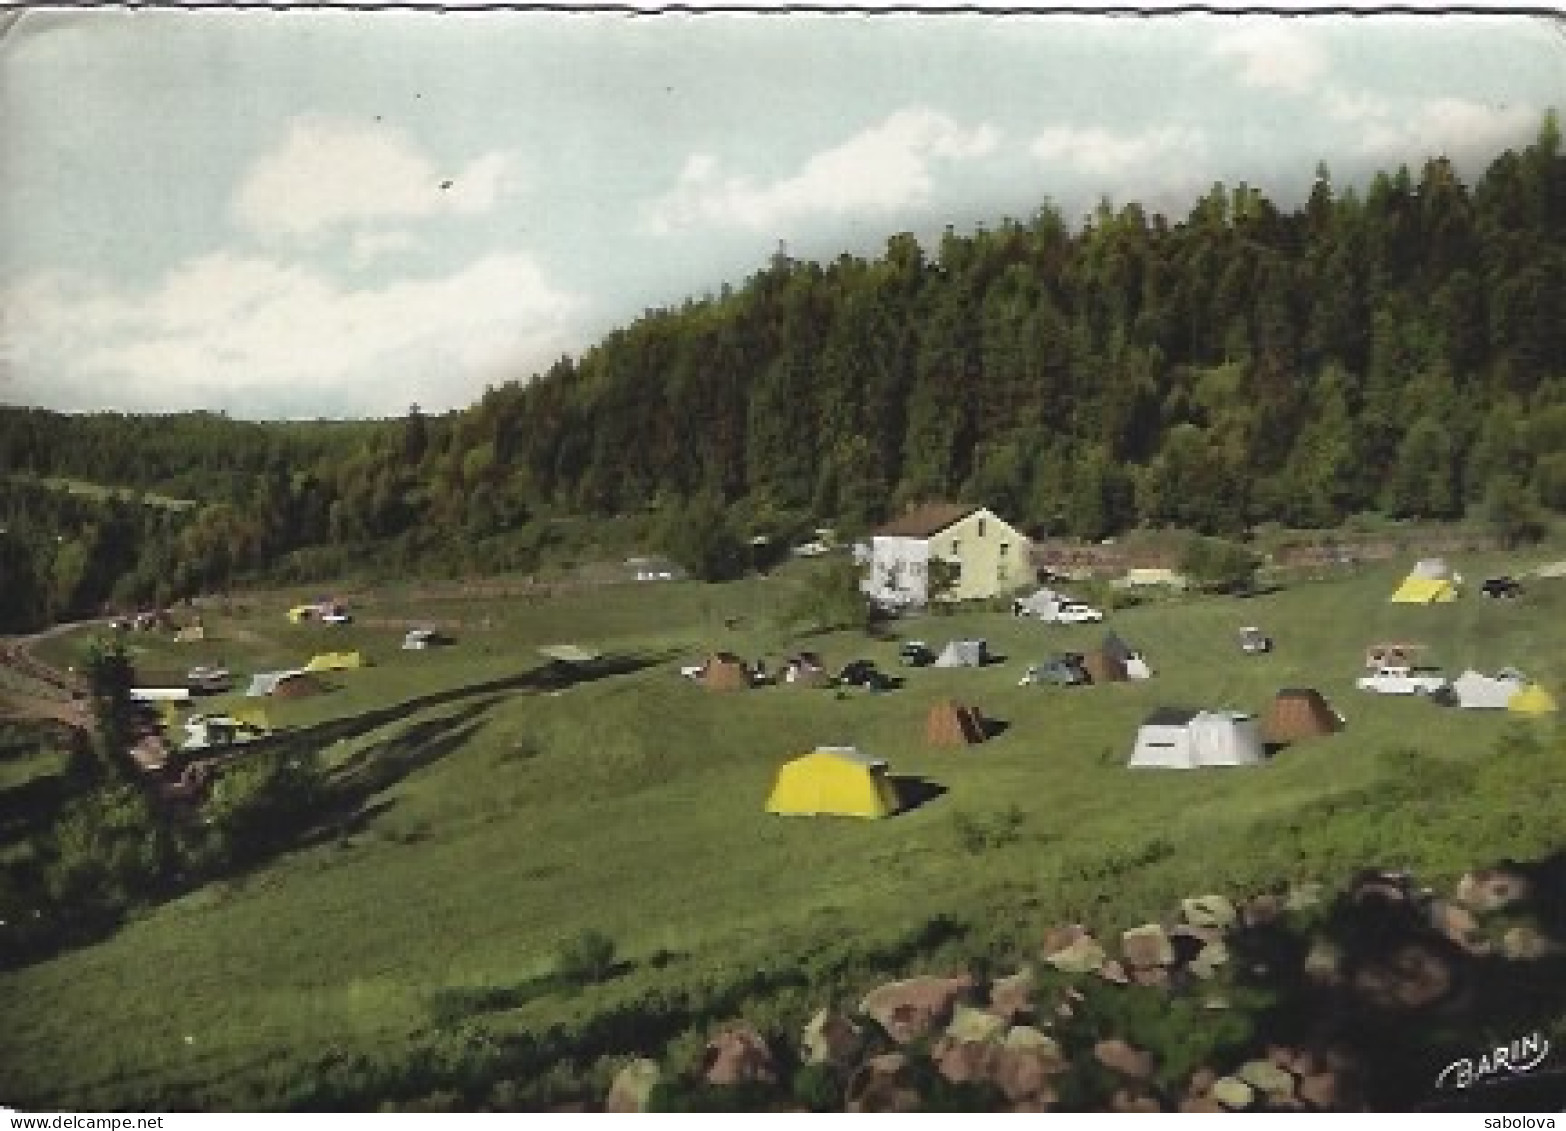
(1399, 349)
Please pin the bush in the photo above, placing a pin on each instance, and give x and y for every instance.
(586, 957)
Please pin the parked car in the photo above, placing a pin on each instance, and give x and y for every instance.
(1403, 680)
(1507, 587)
(1074, 613)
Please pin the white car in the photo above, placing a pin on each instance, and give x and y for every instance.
(1403, 680)
(1073, 613)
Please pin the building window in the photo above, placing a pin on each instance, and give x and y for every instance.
(956, 546)
(981, 528)
(1004, 546)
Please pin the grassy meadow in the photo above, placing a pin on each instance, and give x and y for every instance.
(508, 819)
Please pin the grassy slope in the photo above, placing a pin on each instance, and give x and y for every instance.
(634, 805)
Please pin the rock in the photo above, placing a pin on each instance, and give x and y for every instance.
(1044, 1101)
(1154, 976)
(1208, 911)
(1265, 1076)
(1322, 961)
(1233, 1093)
(1201, 1082)
(964, 1061)
(881, 1084)
(1282, 1056)
(1013, 997)
(1492, 890)
(1024, 1074)
(912, 1009)
(1320, 1090)
(1146, 946)
(633, 1086)
(1118, 1056)
(1261, 910)
(1112, 971)
(1059, 938)
(1208, 959)
(1215, 1001)
(1027, 1037)
(1455, 922)
(969, 1025)
(1525, 944)
(1081, 956)
(1302, 897)
(1412, 977)
(830, 1038)
(737, 1054)
(1133, 1102)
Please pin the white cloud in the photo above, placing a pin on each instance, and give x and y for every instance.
(1095, 151)
(1273, 56)
(261, 338)
(884, 168)
(1462, 130)
(329, 173)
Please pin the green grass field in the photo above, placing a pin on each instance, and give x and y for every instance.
(633, 804)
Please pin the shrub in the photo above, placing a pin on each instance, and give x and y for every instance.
(586, 957)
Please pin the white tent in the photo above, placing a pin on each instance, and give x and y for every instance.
(1432, 569)
(1136, 667)
(1483, 692)
(962, 654)
(1188, 740)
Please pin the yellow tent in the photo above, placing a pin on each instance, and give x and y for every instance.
(836, 781)
(300, 613)
(1532, 700)
(1424, 591)
(335, 662)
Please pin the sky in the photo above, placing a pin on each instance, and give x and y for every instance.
(320, 213)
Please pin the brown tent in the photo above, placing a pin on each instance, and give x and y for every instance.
(1297, 713)
(1103, 666)
(724, 671)
(951, 723)
(296, 685)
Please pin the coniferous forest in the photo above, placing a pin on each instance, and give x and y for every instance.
(1398, 348)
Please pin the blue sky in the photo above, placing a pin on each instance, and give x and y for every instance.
(317, 213)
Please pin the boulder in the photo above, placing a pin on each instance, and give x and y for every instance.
(1201, 1082)
(1452, 920)
(1261, 910)
(1112, 971)
(1525, 944)
(1492, 890)
(1320, 1090)
(1013, 997)
(912, 1009)
(1147, 945)
(1265, 1076)
(1322, 962)
(1027, 1037)
(738, 1054)
(1059, 938)
(633, 1086)
(1194, 1105)
(882, 1084)
(1118, 1056)
(1082, 955)
(962, 1062)
(1154, 976)
(830, 1038)
(1023, 1074)
(975, 1025)
(1208, 911)
(1233, 1093)
(1208, 959)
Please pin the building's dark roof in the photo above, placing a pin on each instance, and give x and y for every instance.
(1170, 717)
(927, 520)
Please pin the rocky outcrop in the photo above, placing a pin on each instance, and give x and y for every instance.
(914, 1008)
(633, 1086)
(737, 1054)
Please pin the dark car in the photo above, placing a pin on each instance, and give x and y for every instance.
(1507, 587)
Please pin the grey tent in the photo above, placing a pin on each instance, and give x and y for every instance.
(1176, 739)
(1431, 569)
(1483, 692)
(1121, 654)
(1040, 604)
(963, 654)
